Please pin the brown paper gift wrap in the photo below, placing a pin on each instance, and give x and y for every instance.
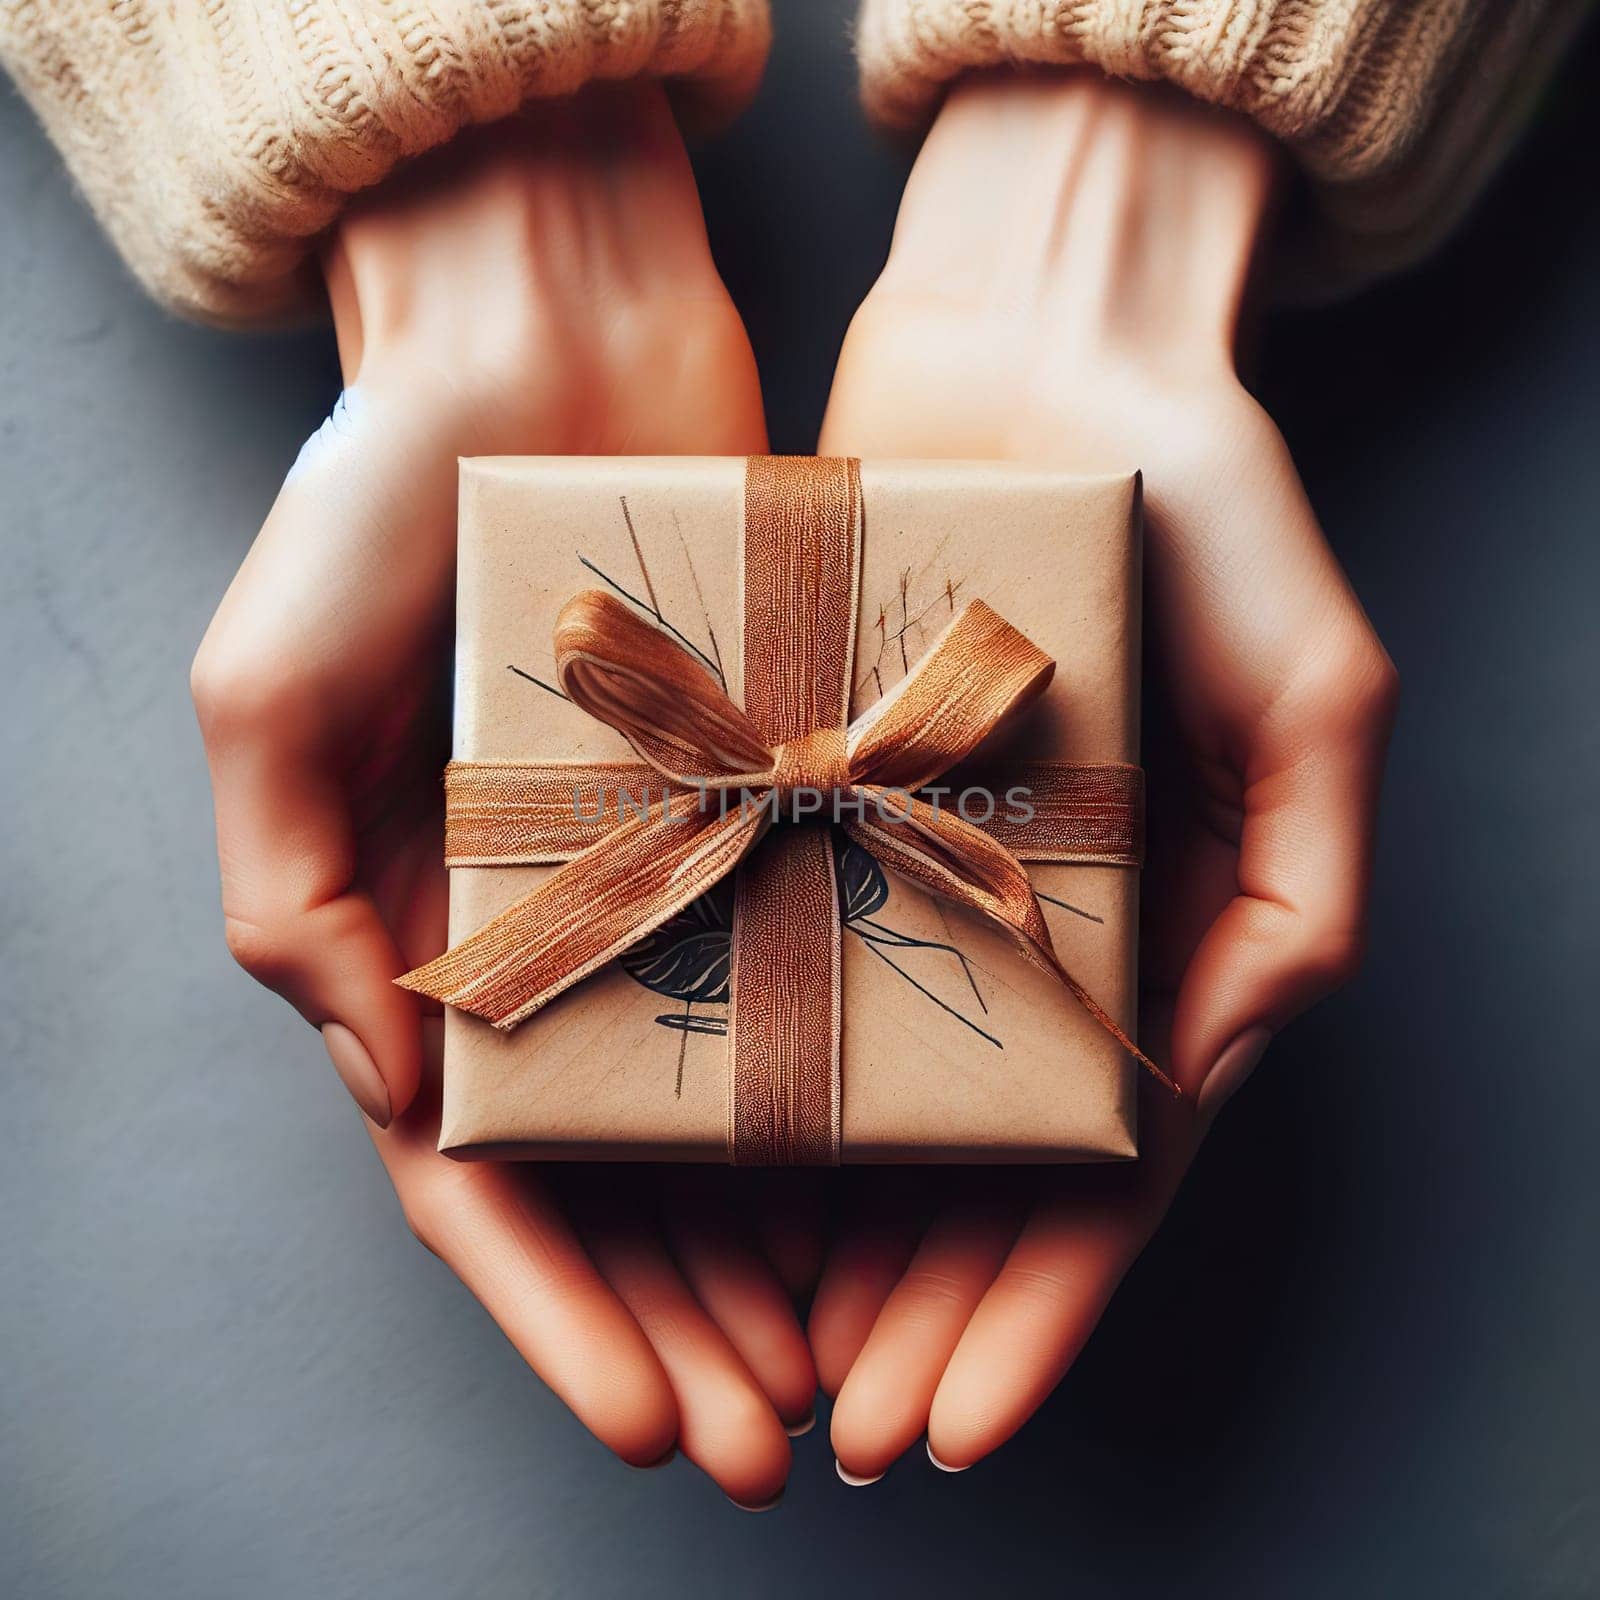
(953, 1047)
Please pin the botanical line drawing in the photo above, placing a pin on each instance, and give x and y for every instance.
(689, 958)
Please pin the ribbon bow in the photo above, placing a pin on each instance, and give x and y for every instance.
(729, 772)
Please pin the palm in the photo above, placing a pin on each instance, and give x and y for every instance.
(1249, 612)
(921, 381)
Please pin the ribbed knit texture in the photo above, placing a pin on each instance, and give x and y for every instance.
(1395, 109)
(216, 139)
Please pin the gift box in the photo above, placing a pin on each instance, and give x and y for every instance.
(805, 972)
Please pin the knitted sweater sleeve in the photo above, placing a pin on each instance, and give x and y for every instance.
(216, 139)
(1395, 110)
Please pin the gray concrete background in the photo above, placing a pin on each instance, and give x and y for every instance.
(1359, 1360)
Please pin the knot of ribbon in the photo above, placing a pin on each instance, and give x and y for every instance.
(815, 764)
(728, 772)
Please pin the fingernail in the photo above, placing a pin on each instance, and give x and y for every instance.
(1230, 1070)
(804, 1425)
(940, 1465)
(766, 1505)
(851, 1478)
(656, 1465)
(358, 1071)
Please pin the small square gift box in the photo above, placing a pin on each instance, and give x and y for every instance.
(794, 817)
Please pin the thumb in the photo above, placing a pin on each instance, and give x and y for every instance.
(340, 597)
(1295, 930)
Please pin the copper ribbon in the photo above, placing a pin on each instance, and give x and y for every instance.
(723, 772)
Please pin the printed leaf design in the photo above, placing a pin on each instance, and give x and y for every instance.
(688, 957)
(863, 888)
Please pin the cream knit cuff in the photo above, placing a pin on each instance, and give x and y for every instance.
(1396, 110)
(216, 139)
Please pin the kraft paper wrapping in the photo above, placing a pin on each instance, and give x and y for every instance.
(954, 1049)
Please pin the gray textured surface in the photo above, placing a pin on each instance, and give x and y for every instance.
(1360, 1359)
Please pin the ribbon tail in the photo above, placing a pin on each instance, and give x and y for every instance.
(589, 911)
(952, 858)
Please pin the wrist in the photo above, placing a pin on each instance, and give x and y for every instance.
(522, 242)
(1126, 219)
(544, 286)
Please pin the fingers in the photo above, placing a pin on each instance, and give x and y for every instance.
(1054, 1286)
(726, 1424)
(494, 1226)
(740, 1291)
(789, 1208)
(1028, 1329)
(877, 1228)
(884, 1404)
(599, 1310)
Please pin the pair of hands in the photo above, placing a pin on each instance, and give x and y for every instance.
(1064, 286)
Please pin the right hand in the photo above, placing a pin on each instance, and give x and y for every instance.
(540, 287)
(1064, 287)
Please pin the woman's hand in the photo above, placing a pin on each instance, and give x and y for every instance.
(540, 287)
(1065, 284)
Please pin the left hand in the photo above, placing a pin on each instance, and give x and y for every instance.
(1064, 286)
(542, 286)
